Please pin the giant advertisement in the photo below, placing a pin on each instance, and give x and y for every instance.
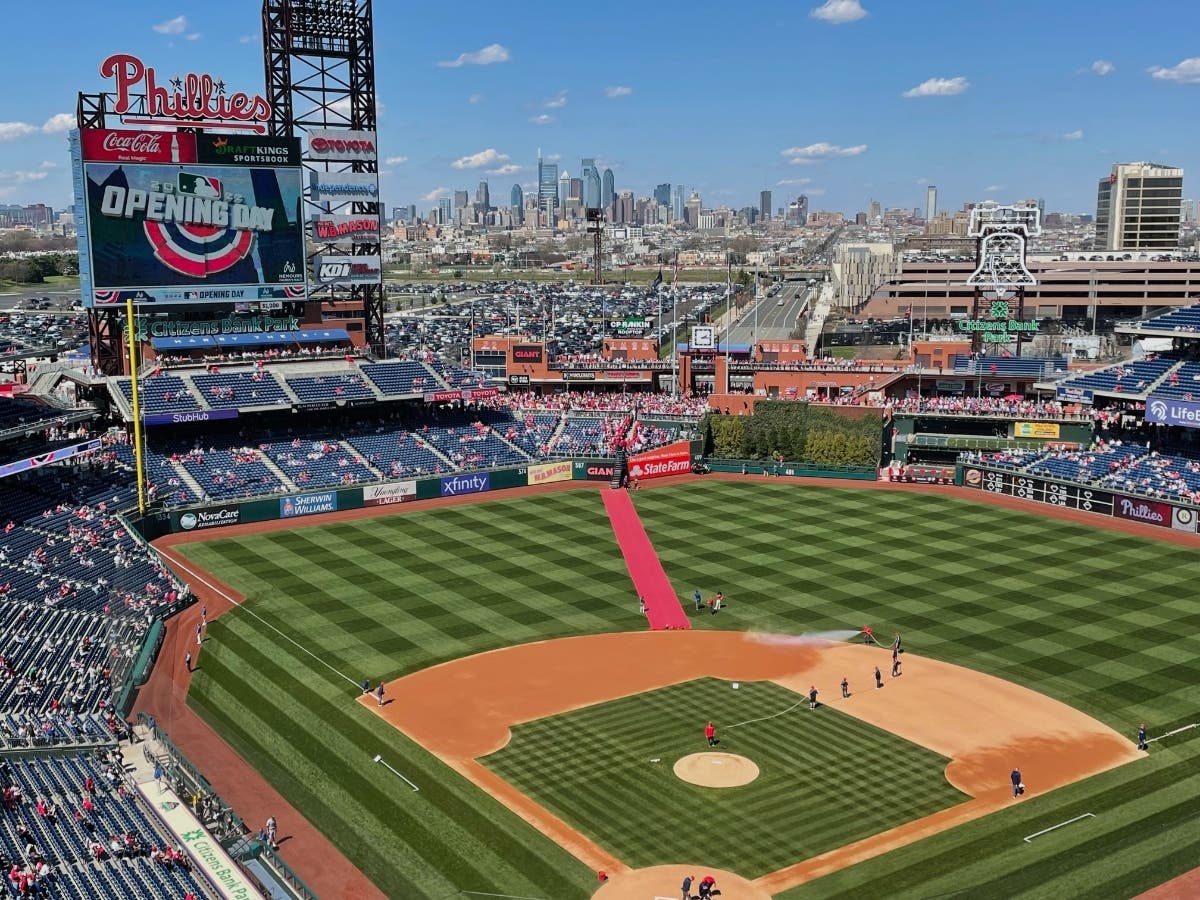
(175, 229)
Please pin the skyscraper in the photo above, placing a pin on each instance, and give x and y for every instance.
(461, 199)
(591, 183)
(483, 197)
(1138, 207)
(662, 194)
(876, 213)
(564, 191)
(764, 205)
(444, 213)
(516, 203)
(930, 202)
(694, 206)
(608, 189)
(677, 210)
(547, 183)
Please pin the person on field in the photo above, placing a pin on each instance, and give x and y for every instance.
(1018, 785)
(699, 601)
(710, 734)
(878, 678)
(379, 694)
(812, 697)
(687, 887)
(896, 667)
(845, 687)
(1142, 742)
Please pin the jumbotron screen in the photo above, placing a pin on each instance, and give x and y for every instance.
(176, 217)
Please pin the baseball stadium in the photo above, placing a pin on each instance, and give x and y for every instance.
(297, 604)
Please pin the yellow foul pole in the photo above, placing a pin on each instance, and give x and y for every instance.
(137, 411)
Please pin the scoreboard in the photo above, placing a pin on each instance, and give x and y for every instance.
(1039, 490)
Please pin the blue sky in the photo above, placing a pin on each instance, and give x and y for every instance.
(1029, 98)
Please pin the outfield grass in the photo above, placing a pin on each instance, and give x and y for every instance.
(592, 768)
(1102, 621)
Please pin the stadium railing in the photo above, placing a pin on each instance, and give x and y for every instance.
(791, 469)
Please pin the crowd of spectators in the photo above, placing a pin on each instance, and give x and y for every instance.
(1010, 407)
(644, 404)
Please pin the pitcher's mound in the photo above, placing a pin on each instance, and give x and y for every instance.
(716, 770)
(664, 882)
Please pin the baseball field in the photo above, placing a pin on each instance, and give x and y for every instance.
(536, 761)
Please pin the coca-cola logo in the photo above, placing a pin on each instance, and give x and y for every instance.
(191, 100)
(135, 142)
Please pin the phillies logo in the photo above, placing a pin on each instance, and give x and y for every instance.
(194, 100)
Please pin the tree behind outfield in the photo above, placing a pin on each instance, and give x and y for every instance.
(800, 432)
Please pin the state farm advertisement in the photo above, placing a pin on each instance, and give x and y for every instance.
(673, 459)
(389, 494)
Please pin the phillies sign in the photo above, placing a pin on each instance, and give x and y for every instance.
(193, 101)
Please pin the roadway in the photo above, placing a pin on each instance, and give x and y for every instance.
(776, 320)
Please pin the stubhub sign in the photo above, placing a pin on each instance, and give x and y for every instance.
(1165, 411)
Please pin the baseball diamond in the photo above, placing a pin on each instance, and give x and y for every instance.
(1029, 641)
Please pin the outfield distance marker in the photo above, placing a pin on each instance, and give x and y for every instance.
(1029, 838)
(379, 759)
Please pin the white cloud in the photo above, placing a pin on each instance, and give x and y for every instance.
(939, 87)
(177, 25)
(1101, 67)
(1076, 135)
(248, 39)
(475, 99)
(194, 36)
(617, 90)
(798, 156)
(543, 119)
(793, 182)
(436, 194)
(1186, 72)
(993, 188)
(507, 169)
(486, 56)
(478, 160)
(558, 101)
(395, 160)
(839, 12)
(24, 176)
(553, 157)
(922, 181)
(59, 123)
(815, 192)
(11, 131)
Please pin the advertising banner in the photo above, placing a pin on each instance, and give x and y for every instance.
(346, 270)
(596, 471)
(527, 353)
(579, 376)
(46, 459)
(480, 393)
(1173, 412)
(548, 473)
(121, 146)
(1047, 430)
(342, 145)
(345, 186)
(951, 385)
(673, 459)
(247, 150)
(213, 517)
(1183, 518)
(389, 494)
(1149, 512)
(625, 375)
(308, 504)
(442, 396)
(1073, 394)
(332, 229)
(474, 483)
(192, 233)
(198, 415)
(518, 380)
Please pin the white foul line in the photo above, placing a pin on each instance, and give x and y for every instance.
(174, 558)
(1059, 825)
(1176, 731)
(380, 759)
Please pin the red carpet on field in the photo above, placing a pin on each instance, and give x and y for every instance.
(649, 579)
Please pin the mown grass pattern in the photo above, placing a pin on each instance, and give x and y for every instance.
(1105, 622)
(593, 768)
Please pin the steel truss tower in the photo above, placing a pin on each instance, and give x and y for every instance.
(319, 57)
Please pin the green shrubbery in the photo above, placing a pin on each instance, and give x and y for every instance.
(798, 431)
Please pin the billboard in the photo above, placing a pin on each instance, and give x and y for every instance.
(342, 187)
(342, 145)
(389, 494)
(1166, 411)
(673, 459)
(308, 504)
(1046, 430)
(180, 418)
(548, 473)
(331, 229)
(329, 270)
(246, 150)
(527, 353)
(184, 232)
(475, 483)
(212, 517)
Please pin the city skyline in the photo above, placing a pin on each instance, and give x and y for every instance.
(820, 103)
